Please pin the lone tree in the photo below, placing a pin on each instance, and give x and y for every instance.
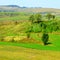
(45, 38)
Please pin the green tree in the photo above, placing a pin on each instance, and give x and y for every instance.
(45, 38)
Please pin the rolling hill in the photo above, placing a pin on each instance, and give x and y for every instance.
(16, 8)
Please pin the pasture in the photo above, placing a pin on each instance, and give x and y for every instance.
(14, 44)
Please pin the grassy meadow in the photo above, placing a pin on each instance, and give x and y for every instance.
(14, 44)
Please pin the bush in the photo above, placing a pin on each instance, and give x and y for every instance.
(12, 40)
(28, 35)
(1, 39)
(45, 38)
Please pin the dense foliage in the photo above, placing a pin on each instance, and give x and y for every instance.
(45, 38)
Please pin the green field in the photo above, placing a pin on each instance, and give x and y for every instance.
(13, 34)
(54, 39)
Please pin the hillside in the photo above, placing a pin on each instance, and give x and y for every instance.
(15, 8)
(21, 38)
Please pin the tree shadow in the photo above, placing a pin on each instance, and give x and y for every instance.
(48, 43)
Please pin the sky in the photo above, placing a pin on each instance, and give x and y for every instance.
(33, 3)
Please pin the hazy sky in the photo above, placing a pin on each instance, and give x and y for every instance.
(32, 3)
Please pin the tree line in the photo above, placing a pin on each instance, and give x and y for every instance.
(38, 19)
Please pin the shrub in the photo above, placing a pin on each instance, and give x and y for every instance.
(28, 35)
(45, 38)
(12, 40)
(1, 39)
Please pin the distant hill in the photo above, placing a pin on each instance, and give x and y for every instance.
(9, 6)
(16, 8)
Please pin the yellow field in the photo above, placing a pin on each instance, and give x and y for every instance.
(20, 53)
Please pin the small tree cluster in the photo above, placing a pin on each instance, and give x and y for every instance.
(49, 16)
(36, 17)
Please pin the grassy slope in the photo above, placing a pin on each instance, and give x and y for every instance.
(15, 18)
(15, 51)
(20, 53)
(15, 30)
(54, 39)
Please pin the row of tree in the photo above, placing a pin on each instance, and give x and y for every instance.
(38, 17)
